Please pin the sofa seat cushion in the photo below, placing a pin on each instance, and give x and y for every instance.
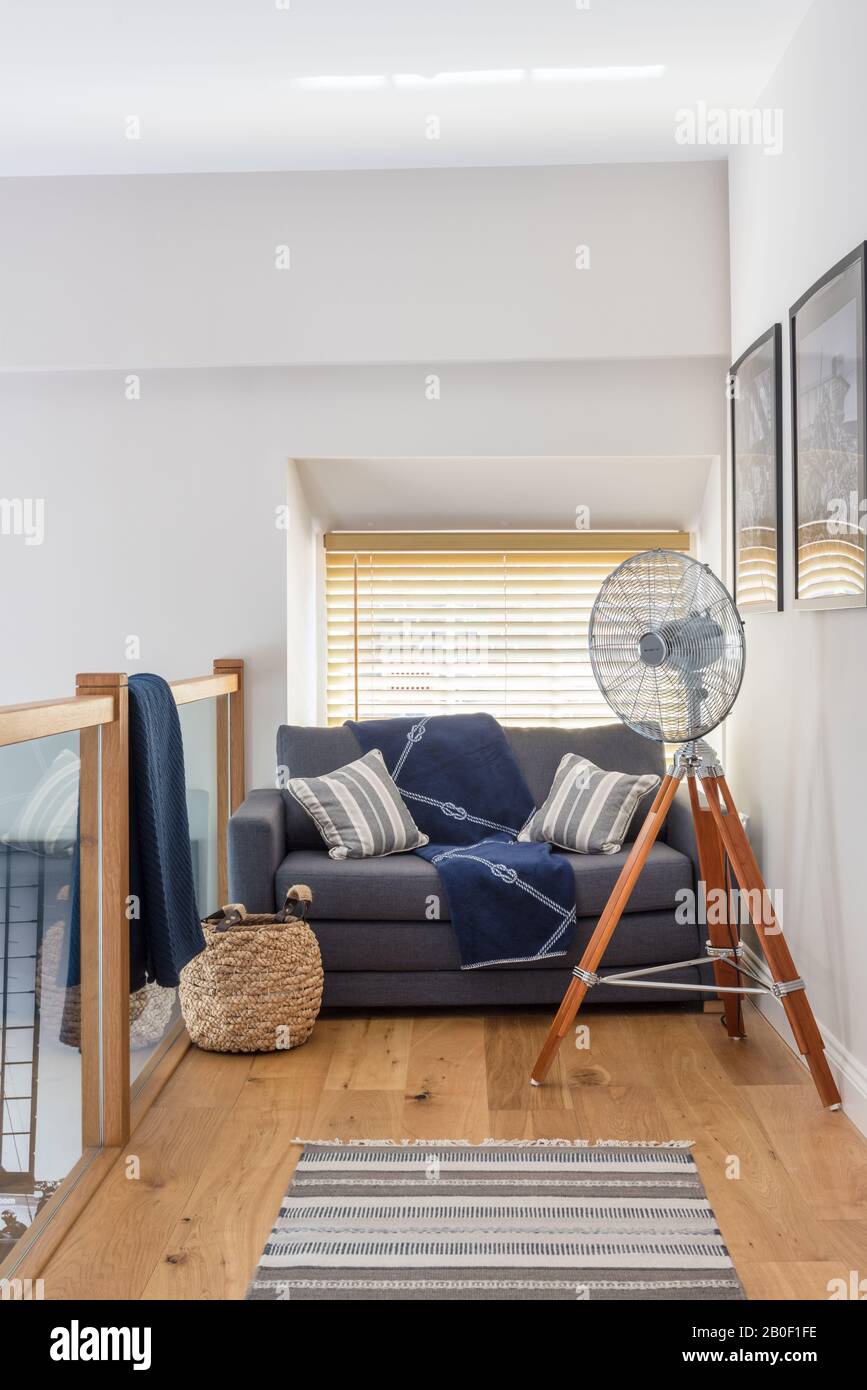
(640, 939)
(406, 888)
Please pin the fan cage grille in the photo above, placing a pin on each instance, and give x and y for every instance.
(667, 646)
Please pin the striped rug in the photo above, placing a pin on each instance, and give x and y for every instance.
(550, 1219)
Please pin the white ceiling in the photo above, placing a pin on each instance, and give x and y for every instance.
(225, 84)
(389, 494)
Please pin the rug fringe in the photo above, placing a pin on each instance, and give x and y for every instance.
(501, 1143)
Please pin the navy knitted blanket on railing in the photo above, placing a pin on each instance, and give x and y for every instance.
(161, 862)
(508, 902)
(167, 931)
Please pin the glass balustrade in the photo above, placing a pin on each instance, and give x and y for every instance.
(80, 1047)
(155, 1010)
(42, 1007)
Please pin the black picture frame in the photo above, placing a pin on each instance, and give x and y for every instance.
(748, 368)
(829, 555)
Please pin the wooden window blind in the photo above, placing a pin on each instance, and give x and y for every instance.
(418, 624)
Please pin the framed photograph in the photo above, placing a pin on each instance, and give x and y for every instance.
(756, 394)
(829, 408)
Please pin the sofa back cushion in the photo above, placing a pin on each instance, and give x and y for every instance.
(612, 747)
(310, 752)
(314, 751)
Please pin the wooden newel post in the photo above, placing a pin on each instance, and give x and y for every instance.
(105, 774)
(230, 762)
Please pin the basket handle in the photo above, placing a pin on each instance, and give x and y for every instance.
(298, 900)
(228, 916)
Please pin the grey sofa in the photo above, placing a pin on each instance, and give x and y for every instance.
(379, 946)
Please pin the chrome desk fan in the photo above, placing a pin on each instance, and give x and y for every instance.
(667, 650)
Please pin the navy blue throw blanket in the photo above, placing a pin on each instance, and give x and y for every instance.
(168, 932)
(161, 863)
(509, 902)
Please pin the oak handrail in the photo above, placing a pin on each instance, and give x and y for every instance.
(204, 687)
(42, 718)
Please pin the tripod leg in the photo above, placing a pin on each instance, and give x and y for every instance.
(620, 895)
(771, 940)
(722, 934)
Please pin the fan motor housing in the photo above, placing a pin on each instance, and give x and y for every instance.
(653, 648)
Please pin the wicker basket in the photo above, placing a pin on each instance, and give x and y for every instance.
(257, 986)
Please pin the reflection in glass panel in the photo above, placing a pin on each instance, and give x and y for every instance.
(756, 502)
(40, 994)
(830, 462)
(199, 732)
(153, 1009)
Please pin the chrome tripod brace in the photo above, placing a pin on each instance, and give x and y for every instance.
(696, 759)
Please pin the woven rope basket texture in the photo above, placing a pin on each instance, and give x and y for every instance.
(257, 986)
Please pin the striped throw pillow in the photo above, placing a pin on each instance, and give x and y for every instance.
(358, 810)
(587, 810)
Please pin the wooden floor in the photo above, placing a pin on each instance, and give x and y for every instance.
(215, 1151)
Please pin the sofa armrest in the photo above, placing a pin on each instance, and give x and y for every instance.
(257, 848)
(680, 830)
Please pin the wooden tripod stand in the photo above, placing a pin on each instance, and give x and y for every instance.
(718, 832)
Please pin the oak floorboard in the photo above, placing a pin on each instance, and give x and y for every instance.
(292, 1080)
(758, 1206)
(787, 1180)
(351, 1114)
(621, 1112)
(609, 1045)
(307, 1064)
(849, 1242)
(823, 1151)
(771, 1064)
(221, 1231)
(794, 1279)
(370, 1054)
(513, 1041)
(112, 1249)
(534, 1124)
(445, 1092)
(210, 1080)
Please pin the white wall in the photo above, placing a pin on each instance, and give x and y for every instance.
(161, 511)
(709, 525)
(663, 407)
(796, 741)
(469, 492)
(437, 265)
(303, 539)
(159, 523)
